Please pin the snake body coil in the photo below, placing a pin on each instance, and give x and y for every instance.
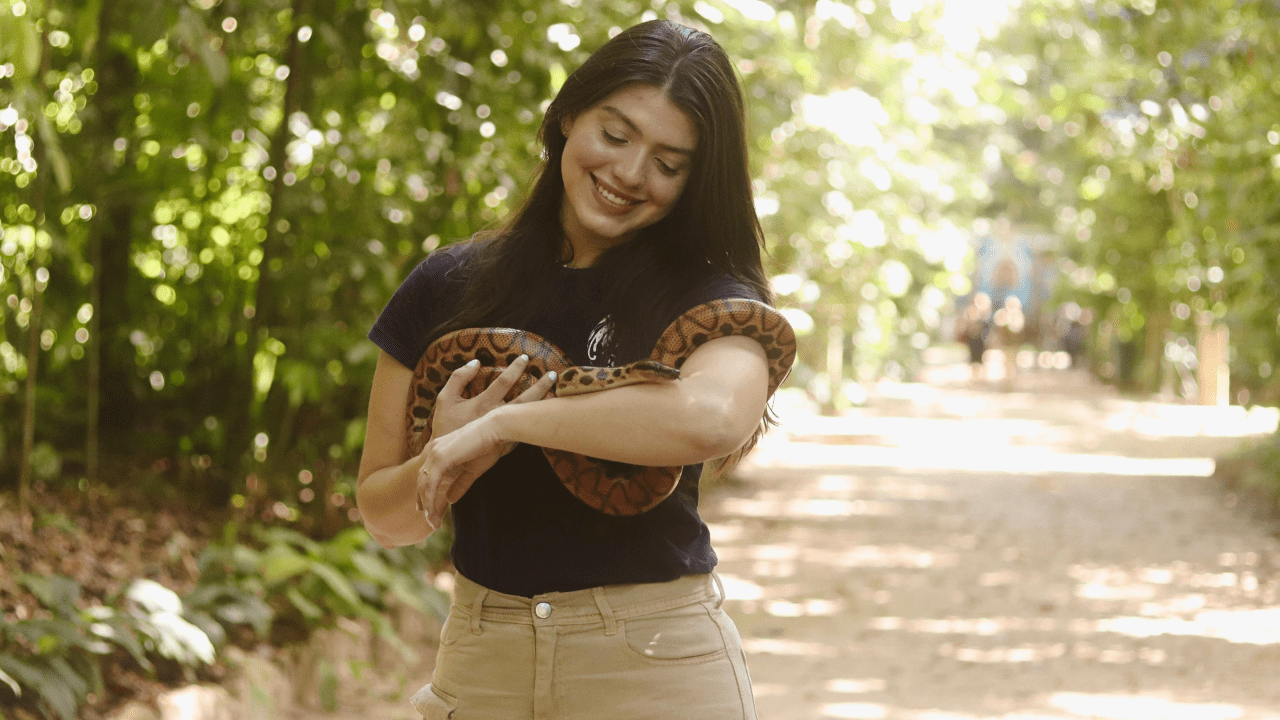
(611, 487)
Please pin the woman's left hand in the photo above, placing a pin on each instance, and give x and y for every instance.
(451, 463)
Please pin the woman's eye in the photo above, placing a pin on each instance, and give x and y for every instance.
(613, 138)
(667, 169)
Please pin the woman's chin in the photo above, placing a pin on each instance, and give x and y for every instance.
(607, 234)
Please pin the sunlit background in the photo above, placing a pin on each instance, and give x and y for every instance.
(204, 204)
(946, 553)
(252, 181)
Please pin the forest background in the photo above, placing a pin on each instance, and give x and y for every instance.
(204, 204)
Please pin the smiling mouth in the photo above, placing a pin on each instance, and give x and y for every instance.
(610, 197)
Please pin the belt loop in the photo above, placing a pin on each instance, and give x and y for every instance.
(477, 606)
(719, 586)
(606, 612)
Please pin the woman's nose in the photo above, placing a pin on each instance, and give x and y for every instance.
(630, 169)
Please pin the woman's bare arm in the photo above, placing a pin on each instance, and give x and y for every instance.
(388, 473)
(710, 412)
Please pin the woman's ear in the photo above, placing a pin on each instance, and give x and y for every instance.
(566, 126)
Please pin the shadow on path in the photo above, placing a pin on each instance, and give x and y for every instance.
(1047, 551)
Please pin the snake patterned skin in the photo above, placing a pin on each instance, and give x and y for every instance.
(613, 488)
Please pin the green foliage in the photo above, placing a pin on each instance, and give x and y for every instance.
(52, 662)
(287, 581)
(1146, 136)
(255, 180)
(159, 612)
(247, 183)
(281, 587)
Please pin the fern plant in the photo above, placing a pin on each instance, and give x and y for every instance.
(286, 581)
(52, 664)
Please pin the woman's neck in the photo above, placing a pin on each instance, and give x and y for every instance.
(572, 257)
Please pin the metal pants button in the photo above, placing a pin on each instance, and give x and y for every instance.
(542, 610)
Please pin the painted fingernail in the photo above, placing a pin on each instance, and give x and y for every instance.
(524, 357)
(473, 363)
(552, 376)
(430, 524)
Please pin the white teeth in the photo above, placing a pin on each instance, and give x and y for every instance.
(611, 197)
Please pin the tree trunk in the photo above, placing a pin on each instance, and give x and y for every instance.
(93, 393)
(835, 362)
(113, 375)
(266, 306)
(36, 289)
(29, 412)
(1153, 351)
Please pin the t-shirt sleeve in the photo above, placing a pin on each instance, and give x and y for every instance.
(415, 308)
(719, 287)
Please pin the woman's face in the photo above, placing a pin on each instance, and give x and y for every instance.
(625, 164)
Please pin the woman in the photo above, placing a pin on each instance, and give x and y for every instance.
(642, 210)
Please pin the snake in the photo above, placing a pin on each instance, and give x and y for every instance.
(613, 488)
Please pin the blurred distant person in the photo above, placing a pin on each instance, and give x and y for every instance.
(1073, 336)
(1009, 325)
(971, 329)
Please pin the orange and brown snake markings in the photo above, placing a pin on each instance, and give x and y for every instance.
(613, 488)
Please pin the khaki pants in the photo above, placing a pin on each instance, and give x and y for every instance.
(624, 652)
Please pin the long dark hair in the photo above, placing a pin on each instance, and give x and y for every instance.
(712, 228)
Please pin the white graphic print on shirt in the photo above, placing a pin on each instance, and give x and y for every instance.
(597, 340)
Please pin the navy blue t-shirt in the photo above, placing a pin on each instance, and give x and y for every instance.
(518, 530)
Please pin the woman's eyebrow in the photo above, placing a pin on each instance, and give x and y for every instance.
(631, 124)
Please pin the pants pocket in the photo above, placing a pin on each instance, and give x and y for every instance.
(433, 704)
(681, 636)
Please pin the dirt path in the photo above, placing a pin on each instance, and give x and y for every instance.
(1043, 552)
(1046, 553)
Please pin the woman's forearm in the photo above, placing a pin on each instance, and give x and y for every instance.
(709, 413)
(385, 499)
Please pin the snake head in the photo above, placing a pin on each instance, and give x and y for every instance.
(579, 380)
(655, 370)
